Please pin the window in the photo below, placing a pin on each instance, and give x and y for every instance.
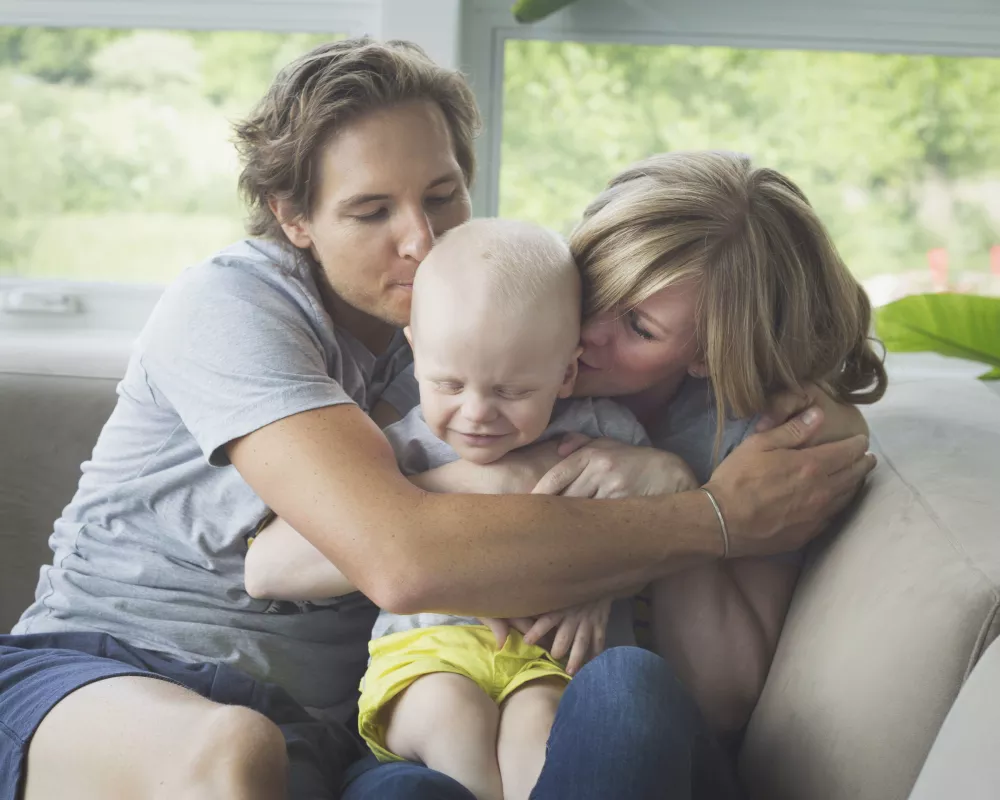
(900, 154)
(118, 163)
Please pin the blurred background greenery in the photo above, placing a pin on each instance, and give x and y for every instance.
(118, 163)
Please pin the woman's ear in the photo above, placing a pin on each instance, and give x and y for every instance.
(569, 379)
(698, 369)
(294, 226)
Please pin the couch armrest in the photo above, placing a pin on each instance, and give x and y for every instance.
(963, 761)
(892, 612)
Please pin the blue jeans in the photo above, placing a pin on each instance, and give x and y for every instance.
(626, 728)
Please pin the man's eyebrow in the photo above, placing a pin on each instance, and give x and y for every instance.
(362, 199)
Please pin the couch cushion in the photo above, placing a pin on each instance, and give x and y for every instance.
(48, 426)
(891, 613)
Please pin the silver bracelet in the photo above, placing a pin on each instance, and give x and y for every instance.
(722, 522)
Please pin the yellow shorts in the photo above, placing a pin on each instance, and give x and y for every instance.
(398, 659)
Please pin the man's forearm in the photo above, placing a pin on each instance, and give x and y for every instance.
(515, 556)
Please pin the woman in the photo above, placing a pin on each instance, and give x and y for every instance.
(139, 670)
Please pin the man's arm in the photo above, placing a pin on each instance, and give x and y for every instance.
(332, 476)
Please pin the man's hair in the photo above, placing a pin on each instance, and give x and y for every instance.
(777, 306)
(317, 96)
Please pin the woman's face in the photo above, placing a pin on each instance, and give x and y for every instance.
(653, 346)
(389, 185)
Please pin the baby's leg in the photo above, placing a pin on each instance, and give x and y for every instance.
(525, 721)
(450, 724)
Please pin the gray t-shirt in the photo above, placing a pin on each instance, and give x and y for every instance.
(151, 548)
(417, 450)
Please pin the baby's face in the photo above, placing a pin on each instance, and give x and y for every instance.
(486, 389)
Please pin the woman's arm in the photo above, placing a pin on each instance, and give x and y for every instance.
(282, 565)
(332, 476)
(719, 623)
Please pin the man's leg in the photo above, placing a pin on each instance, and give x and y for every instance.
(626, 727)
(450, 724)
(525, 723)
(128, 737)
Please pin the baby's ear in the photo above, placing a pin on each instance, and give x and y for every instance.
(569, 379)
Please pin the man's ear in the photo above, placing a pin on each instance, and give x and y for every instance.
(569, 379)
(295, 228)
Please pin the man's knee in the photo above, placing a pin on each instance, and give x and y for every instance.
(236, 753)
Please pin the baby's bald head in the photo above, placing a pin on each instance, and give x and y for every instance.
(495, 329)
(501, 271)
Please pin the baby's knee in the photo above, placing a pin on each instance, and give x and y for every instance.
(236, 754)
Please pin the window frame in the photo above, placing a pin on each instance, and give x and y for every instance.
(472, 34)
(939, 27)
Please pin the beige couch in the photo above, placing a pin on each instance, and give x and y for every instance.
(892, 615)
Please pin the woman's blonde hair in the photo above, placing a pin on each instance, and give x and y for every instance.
(777, 306)
(322, 92)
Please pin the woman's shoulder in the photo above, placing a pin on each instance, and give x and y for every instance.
(689, 427)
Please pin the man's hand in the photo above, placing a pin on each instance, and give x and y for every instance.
(606, 469)
(776, 494)
(840, 420)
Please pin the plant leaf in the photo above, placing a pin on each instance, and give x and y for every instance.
(534, 10)
(962, 325)
(992, 375)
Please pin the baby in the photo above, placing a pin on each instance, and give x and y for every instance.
(495, 329)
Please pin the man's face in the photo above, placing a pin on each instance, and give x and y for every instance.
(389, 185)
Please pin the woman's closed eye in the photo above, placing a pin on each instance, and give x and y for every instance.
(637, 327)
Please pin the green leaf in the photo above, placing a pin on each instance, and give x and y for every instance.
(534, 10)
(961, 325)
(992, 375)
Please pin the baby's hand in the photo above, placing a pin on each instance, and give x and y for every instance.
(579, 632)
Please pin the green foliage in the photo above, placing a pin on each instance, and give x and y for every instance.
(110, 134)
(960, 325)
(898, 153)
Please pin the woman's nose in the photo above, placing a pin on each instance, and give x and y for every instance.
(597, 332)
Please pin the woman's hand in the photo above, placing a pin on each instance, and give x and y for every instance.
(604, 468)
(840, 420)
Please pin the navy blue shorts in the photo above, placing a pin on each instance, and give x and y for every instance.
(37, 671)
